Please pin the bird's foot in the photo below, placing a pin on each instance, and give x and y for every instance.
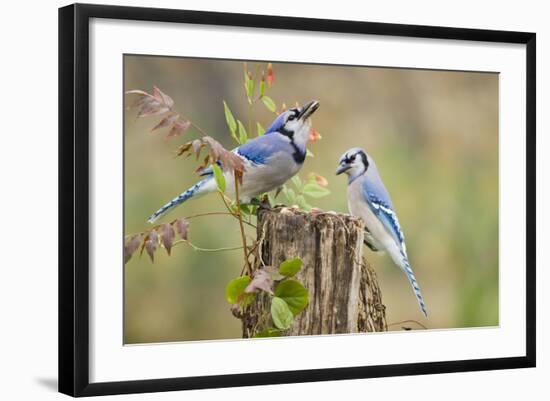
(262, 204)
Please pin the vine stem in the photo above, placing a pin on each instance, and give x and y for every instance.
(208, 214)
(198, 248)
(240, 216)
(234, 214)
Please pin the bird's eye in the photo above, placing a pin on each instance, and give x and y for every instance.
(291, 117)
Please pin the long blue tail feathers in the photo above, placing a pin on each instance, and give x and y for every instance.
(416, 288)
(177, 201)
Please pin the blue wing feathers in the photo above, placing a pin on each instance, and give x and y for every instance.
(389, 218)
(383, 209)
(259, 150)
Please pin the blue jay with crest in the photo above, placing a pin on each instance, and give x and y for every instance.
(369, 200)
(269, 160)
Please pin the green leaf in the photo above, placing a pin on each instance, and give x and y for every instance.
(315, 190)
(309, 153)
(290, 267)
(290, 195)
(260, 129)
(248, 86)
(297, 182)
(219, 177)
(247, 299)
(235, 289)
(269, 332)
(294, 294)
(281, 314)
(230, 120)
(269, 103)
(243, 136)
(246, 209)
(233, 207)
(302, 204)
(231, 123)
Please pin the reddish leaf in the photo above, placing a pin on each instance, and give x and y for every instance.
(204, 164)
(319, 179)
(216, 152)
(206, 161)
(178, 128)
(182, 227)
(131, 246)
(167, 237)
(262, 280)
(314, 135)
(163, 97)
(151, 105)
(197, 146)
(137, 92)
(151, 108)
(270, 75)
(228, 159)
(166, 121)
(151, 244)
(139, 101)
(184, 148)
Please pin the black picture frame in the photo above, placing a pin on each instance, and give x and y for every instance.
(74, 198)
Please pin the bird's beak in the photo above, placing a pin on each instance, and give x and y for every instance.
(342, 168)
(308, 110)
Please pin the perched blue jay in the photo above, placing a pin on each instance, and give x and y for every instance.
(369, 200)
(269, 160)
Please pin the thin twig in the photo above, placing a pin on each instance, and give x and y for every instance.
(250, 105)
(408, 321)
(194, 125)
(239, 214)
(203, 132)
(198, 248)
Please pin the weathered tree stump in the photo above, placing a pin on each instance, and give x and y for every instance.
(343, 290)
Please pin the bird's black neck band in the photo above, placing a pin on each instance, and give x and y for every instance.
(299, 155)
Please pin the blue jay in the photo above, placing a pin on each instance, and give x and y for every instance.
(269, 160)
(369, 200)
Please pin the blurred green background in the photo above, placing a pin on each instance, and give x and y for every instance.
(433, 134)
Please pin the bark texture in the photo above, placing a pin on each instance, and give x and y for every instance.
(344, 296)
